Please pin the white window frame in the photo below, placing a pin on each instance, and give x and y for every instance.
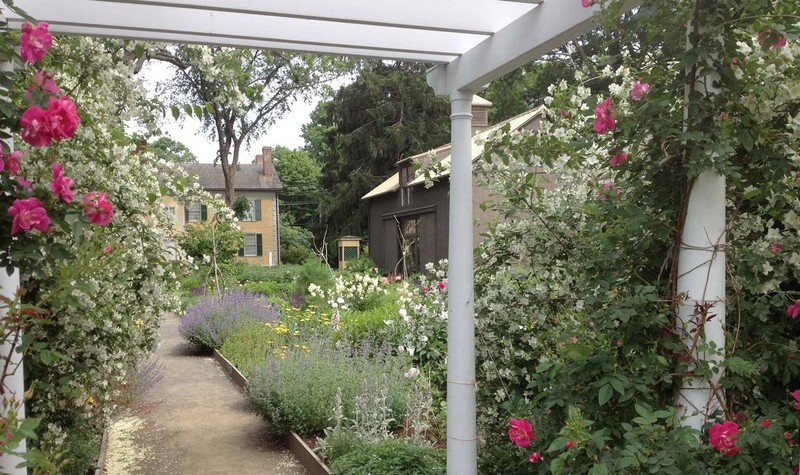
(171, 213)
(251, 248)
(251, 213)
(195, 212)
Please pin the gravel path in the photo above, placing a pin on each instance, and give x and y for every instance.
(194, 421)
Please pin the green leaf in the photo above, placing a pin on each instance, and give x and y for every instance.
(746, 139)
(577, 352)
(618, 385)
(599, 469)
(604, 395)
(176, 112)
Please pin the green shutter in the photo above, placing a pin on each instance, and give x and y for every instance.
(203, 212)
(185, 213)
(241, 251)
(259, 247)
(257, 205)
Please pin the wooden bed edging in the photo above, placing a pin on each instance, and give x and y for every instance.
(101, 458)
(304, 454)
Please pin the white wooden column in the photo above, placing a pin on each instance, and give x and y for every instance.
(462, 448)
(14, 383)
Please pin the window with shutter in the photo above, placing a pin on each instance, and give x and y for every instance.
(253, 245)
(194, 212)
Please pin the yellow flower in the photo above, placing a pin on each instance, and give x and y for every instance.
(90, 400)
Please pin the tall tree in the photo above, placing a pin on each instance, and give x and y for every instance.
(388, 113)
(238, 93)
(300, 175)
(172, 150)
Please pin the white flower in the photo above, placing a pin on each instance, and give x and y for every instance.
(412, 373)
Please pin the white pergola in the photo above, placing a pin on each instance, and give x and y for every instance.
(468, 42)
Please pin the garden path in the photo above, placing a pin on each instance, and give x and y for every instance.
(193, 421)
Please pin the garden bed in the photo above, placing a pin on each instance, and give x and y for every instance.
(301, 450)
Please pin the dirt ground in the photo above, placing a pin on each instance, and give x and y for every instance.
(193, 421)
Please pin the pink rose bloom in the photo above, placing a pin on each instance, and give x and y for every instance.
(62, 117)
(639, 90)
(617, 159)
(570, 444)
(536, 457)
(766, 423)
(34, 42)
(12, 162)
(793, 310)
(108, 249)
(771, 39)
(25, 184)
(604, 119)
(43, 81)
(28, 214)
(62, 185)
(521, 432)
(796, 396)
(723, 437)
(586, 3)
(775, 248)
(441, 285)
(2, 164)
(98, 208)
(35, 127)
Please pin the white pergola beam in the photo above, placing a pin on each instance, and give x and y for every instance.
(534, 34)
(236, 26)
(474, 16)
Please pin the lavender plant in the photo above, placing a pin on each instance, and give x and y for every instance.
(209, 322)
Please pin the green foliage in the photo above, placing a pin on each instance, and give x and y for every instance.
(298, 391)
(363, 265)
(281, 290)
(390, 458)
(371, 323)
(169, 149)
(241, 206)
(524, 88)
(388, 113)
(313, 272)
(217, 240)
(341, 443)
(300, 175)
(295, 241)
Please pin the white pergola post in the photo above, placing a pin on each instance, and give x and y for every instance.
(14, 384)
(462, 444)
(701, 282)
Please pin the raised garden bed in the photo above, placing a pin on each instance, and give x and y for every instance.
(305, 455)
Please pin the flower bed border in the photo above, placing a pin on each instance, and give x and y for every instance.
(307, 458)
(100, 466)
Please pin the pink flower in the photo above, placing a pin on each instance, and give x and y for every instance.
(771, 39)
(62, 117)
(776, 248)
(617, 159)
(440, 285)
(766, 423)
(108, 249)
(385, 281)
(34, 42)
(28, 214)
(793, 310)
(521, 432)
(536, 457)
(608, 186)
(36, 127)
(61, 185)
(604, 119)
(25, 184)
(43, 81)
(2, 165)
(639, 90)
(570, 444)
(98, 208)
(12, 162)
(586, 3)
(723, 437)
(796, 396)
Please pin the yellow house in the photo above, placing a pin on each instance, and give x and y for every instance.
(259, 183)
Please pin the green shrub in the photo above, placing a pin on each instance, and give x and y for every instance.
(313, 272)
(270, 288)
(390, 458)
(363, 265)
(298, 391)
(341, 443)
(207, 238)
(359, 325)
(285, 273)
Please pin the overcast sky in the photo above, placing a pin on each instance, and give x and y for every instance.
(285, 132)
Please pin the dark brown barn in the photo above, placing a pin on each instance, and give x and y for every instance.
(408, 223)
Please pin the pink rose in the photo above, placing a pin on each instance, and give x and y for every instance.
(776, 248)
(43, 81)
(604, 119)
(34, 42)
(796, 396)
(35, 127)
(62, 117)
(771, 39)
(586, 3)
(617, 159)
(723, 437)
(536, 457)
(26, 184)
(793, 310)
(62, 185)
(441, 285)
(12, 162)
(766, 423)
(28, 214)
(98, 208)
(570, 444)
(521, 432)
(639, 90)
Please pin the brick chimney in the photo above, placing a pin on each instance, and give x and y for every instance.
(265, 160)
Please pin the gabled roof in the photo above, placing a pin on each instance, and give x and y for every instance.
(248, 177)
(519, 122)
